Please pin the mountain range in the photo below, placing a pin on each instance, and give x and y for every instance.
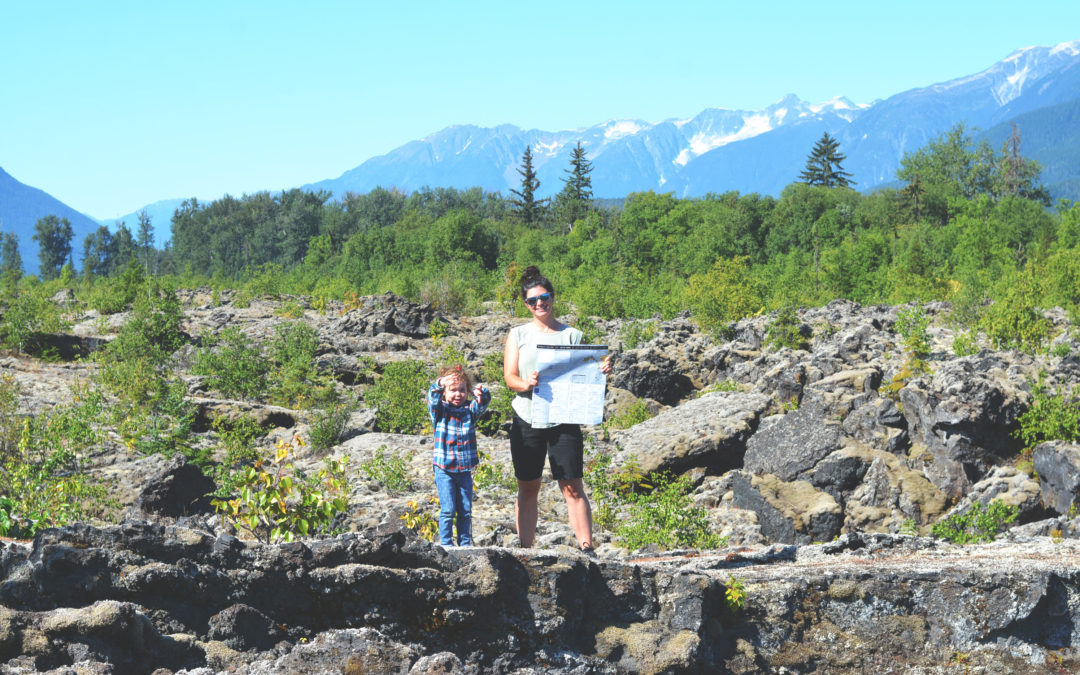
(1037, 88)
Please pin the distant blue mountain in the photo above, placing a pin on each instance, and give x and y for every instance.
(750, 151)
(21, 206)
(718, 150)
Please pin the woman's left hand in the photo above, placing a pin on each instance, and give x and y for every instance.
(605, 365)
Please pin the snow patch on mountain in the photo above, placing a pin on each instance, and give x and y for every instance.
(622, 128)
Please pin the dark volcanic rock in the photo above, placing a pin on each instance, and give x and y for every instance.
(1058, 466)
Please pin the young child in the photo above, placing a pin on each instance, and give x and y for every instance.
(453, 421)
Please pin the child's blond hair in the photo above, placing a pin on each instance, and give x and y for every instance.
(458, 372)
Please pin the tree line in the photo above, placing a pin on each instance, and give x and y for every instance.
(967, 224)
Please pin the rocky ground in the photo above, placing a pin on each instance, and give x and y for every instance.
(801, 459)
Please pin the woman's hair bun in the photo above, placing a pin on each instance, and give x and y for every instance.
(531, 272)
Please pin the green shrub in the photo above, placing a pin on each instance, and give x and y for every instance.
(1014, 321)
(237, 437)
(28, 317)
(42, 482)
(389, 470)
(721, 386)
(911, 324)
(591, 333)
(982, 522)
(231, 364)
(294, 380)
(489, 474)
(278, 503)
(964, 343)
(398, 397)
(500, 409)
(636, 333)
(329, 423)
(786, 330)
(1050, 417)
(637, 412)
(666, 517)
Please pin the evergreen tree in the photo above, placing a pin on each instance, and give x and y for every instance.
(823, 165)
(11, 265)
(527, 207)
(573, 201)
(145, 238)
(53, 236)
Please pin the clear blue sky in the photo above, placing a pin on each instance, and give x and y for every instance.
(110, 106)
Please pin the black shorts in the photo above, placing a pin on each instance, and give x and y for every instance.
(562, 444)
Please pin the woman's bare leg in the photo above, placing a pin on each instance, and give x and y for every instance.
(579, 509)
(525, 510)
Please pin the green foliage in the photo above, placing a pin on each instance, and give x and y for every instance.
(727, 293)
(591, 334)
(398, 397)
(278, 503)
(237, 437)
(964, 343)
(500, 410)
(1050, 417)
(231, 364)
(636, 333)
(823, 165)
(911, 324)
(29, 316)
(637, 412)
(666, 517)
(786, 331)
(390, 470)
(645, 509)
(1014, 321)
(437, 330)
(735, 595)
(490, 474)
(420, 520)
(290, 309)
(980, 523)
(723, 386)
(294, 379)
(329, 423)
(42, 482)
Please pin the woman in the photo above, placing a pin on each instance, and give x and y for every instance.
(529, 444)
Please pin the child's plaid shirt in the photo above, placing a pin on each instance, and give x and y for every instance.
(455, 429)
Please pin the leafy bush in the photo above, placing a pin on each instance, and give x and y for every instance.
(277, 503)
(500, 409)
(42, 483)
(666, 517)
(637, 412)
(911, 324)
(489, 474)
(636, 333)
(982, 522)
(965, 344)
(1014, 321)
(421, 521)
(236, 436)
(1051, 417)
(329, 423)
(389, 470)
(231, 364)
(294, 380)
(398, 397)
(786, 330)
(28, 317)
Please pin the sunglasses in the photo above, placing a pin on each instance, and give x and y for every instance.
(543, 297)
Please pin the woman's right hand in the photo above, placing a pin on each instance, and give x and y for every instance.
(533, 380)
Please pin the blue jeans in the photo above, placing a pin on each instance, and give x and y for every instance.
(455, 498)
